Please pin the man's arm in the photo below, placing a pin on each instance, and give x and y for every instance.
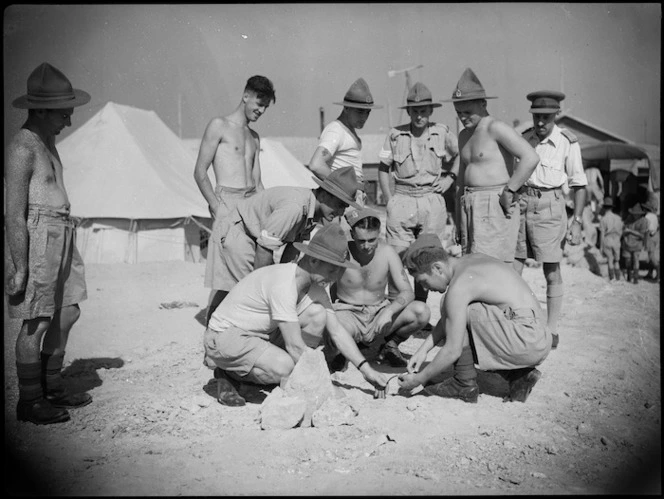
(575, 229)
(18, 172)
(263, 258)
(453, 321)
(384, 181)
(348, 348)
(256, 169)
(211, 138)
(320, 162)
(295, 345)
(399, 279)
(518, 147)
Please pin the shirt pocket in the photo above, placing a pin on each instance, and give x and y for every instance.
(550, 176)
(403, 159)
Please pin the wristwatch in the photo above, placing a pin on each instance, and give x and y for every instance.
(578, 220)
(451, 174)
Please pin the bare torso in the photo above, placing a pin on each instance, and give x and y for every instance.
(367, 285)
(233, 161)
(46, 185)
(483, 161)
(487, 280)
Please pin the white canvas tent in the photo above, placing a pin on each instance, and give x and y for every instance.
(130, 180)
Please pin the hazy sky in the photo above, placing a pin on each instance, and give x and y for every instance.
(190, 62)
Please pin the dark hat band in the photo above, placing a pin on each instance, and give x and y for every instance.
(353, 101)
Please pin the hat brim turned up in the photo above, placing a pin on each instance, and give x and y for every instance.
(420, 104)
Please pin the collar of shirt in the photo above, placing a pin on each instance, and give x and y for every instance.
(554, 137)
(432, 129)
(312, 208)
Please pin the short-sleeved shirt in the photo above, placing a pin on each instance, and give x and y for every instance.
(611, 225)
(260, 301)
(278, 215)
(560, 161)
(414, 169)
(343, 146)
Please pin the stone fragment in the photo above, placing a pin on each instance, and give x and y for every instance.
(311, 382)
(333, 412)
(282, 413)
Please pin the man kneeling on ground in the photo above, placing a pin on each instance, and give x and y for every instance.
(276, 313)
(360, 297)
(489, 317)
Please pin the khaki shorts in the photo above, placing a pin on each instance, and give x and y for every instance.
(507, 338)
(359, 320)
(408, 215)
(611, 246)
(543, 225)
(484, 227)
(56, 274)
(235, 349)
(228, 199)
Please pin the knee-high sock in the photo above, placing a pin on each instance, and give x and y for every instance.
(554, 303)
(51, 368)
(464, 367)
(29, 381)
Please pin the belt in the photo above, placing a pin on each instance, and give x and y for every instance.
(537, 191)
(413, 190)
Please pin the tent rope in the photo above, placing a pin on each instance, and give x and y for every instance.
(200, 224)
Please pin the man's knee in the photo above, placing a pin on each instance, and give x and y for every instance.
(70, 314)
(281, 367)
(420, 311)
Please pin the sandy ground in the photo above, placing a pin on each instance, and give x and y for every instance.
(592, 425)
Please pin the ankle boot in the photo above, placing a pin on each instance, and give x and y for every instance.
(466, 390)
(611, 275)
(40, 412)
(618, 274)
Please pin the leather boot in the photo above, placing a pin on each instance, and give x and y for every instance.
(467, 390)
(40, 412)
(521, 383)
(618, 274)
(611, 275)
(227, 390)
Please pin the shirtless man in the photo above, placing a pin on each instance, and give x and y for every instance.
(487, 149)
(339, 145)
(232, 148)
(359, 295)
(44, 270)
(276, 313)
(489, 317)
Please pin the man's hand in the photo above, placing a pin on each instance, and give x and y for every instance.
(407, 381)
(16, 283)
(574, 234)
(508, 199)
(443, 184)
(415, 362)
(377, 379)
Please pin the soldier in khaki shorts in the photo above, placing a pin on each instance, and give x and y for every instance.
(45, 277)
(232, 148)
(542, 203)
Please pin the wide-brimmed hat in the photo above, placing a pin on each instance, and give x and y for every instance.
(49, 88)
(637, 209)
(354, 216)
(330, 245)
(545, 101)
(419, 95)
(359, 96)
(468, 88)
(608, 201)
(341, 183)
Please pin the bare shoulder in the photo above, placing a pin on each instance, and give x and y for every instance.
(23, 149)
